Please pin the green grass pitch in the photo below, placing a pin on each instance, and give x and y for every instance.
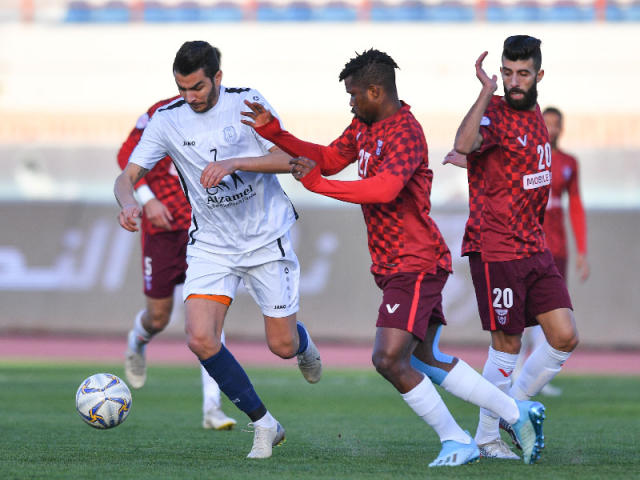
(350, 425)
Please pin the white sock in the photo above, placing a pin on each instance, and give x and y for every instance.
(539, 369)
(267, 421)
(465, 383)
(140, 336)
(425, 400)
(210, 390)
(497, 370)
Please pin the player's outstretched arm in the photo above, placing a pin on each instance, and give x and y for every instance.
(123, 190)
(468, 138)
(381, 188)
(330, 159)
(276, 161)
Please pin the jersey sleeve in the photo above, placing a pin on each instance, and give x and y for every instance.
(150, 149)
(576, 212)
(331, 159)
(380, 188)
(488, 131)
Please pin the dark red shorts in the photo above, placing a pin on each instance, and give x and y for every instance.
(511, 294)
(164, 262)
(411, 301)
(561, 263)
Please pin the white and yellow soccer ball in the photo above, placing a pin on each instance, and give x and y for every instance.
(103, 400)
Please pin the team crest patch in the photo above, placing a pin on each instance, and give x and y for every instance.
(501, 313)
(229, 134)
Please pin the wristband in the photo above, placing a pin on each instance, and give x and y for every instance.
(144, 194)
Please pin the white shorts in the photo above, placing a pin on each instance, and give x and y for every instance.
(271, 275)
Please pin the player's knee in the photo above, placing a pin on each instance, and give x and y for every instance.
(386, 363)
(157, 320)
(203, 346)
(283, 347)
(566, 342)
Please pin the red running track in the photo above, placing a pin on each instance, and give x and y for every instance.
(169, 351)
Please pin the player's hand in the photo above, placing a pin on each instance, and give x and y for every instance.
(301, 166)
(213, 173)
(259, 115)
(455, 158)
(129, 216)
(158, 214)
(491, 84)
(582, 265)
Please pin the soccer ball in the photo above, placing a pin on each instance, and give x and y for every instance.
(103, 400)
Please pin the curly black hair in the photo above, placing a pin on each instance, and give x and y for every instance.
(371, 67)
(523, 47)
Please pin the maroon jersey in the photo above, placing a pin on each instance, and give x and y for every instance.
(161, 179)
(509, 182)
(394, 189)
(564, 178)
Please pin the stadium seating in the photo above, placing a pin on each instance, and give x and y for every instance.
(159, 11)
(336, 11)
(296, 11)
(406, 11)
(569, 11)
(225, 11)
(622, 11)
(524, 11)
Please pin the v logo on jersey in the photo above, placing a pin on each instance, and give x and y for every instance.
(523, 141)
(391, 309)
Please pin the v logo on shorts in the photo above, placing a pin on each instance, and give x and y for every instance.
(391, 309)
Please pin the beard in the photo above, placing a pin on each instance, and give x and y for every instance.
(529, 99)
(364, 120)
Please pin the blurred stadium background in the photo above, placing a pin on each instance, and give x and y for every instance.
(75, 76)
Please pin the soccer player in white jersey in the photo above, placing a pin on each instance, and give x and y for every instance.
(239, 227)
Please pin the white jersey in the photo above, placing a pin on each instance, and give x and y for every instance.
(246, 210)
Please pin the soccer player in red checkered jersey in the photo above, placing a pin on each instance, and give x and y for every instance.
(564, 179)
(165, 224)
(411, 261)
(509, 158)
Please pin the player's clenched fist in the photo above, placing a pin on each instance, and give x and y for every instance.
(128, 217)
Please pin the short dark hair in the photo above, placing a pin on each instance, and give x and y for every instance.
(523, 47)
(554, 111)
(195, 55)
(372, 67)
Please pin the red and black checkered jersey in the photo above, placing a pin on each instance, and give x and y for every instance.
(564, 178)
(161, 179)
(471, 238)
(509, 178)
(402, 237)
